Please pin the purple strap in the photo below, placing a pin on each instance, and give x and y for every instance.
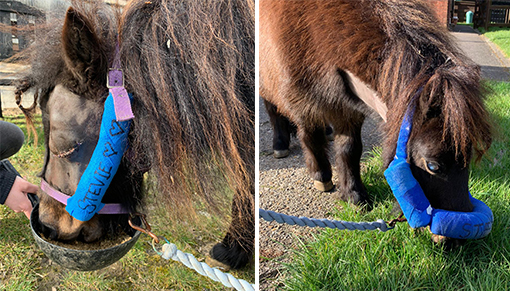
(121, 103)
(111, 208)
(115, 82)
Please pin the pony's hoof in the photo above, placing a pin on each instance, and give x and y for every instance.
(234, 256)
(359, 198)
(217, 264)
(278, 154)
(323, 186)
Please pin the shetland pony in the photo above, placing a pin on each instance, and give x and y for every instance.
(189, 66)
(338, 61)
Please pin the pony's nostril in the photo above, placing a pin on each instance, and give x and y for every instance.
(53, 235)
(467, 206)
(48, 231)
(92, 233)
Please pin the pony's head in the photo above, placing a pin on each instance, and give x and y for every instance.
(425, 71)
(438, 168)
(450, 122)
(72, 95)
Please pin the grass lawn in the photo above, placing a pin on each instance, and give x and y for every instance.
(406, 259)
(24, 267)
(499, 36)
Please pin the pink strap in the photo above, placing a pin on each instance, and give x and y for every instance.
(115, 82)
(111, 208)
(121, 103)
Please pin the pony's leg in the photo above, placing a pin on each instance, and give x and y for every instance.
(237, 247)
(348, 148)
(314, 144)
(282, 129)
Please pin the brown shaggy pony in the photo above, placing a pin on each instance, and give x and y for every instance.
(190, 68)
(338, 61)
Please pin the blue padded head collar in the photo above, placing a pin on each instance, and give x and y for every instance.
(417, 208)
(105, 160)
(112, 143)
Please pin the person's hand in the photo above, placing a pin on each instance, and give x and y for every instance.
(17, 199)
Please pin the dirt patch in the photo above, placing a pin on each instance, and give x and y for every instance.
(285, 186)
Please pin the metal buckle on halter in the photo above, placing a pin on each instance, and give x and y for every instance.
(117, 77)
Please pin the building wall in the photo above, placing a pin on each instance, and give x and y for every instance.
(440, 10)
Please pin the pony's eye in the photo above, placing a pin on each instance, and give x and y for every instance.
(433, 167)
(66, 153)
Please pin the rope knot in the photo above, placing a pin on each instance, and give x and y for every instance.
(169, 251)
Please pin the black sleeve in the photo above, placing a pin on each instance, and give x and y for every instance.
(6, 181)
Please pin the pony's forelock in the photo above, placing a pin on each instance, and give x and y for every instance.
(465, 120)
(419, 56)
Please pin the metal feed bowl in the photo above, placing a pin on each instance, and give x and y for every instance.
(81, 260)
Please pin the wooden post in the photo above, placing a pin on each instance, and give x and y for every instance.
(488, 15)
(1, 116)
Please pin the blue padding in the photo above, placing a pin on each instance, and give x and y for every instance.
(404, 186)
(416, 207)
(408, 192)
(463, 225)
(102, 167)
(403, 135)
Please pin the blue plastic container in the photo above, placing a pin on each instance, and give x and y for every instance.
(469, 17)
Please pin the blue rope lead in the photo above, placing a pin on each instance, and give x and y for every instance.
(314, 222)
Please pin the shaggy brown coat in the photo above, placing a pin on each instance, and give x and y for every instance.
(394, 46)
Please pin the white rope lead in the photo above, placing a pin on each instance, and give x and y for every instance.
(170, 251)
(314, 222)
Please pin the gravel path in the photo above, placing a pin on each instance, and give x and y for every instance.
(286, 187)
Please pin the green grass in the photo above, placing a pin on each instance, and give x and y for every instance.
(406, 259)
(499, 36)
(23, 266)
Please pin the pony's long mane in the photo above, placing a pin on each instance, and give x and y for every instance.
(190, 68)
(419, 53)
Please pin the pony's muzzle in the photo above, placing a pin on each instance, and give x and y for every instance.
(48, 231)
(57, 224)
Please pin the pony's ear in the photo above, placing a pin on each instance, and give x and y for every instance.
(81, 46)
